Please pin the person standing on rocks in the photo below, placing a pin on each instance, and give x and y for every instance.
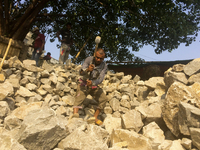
(92, 71)
(66, 42)
(38, 45)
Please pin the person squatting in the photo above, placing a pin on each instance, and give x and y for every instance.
(93, 72)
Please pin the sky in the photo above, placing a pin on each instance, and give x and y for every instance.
(147, 52)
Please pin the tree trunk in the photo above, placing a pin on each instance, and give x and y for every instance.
(1, 19)
(24, 26)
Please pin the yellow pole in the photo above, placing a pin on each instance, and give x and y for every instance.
(82, 47)
(4, 57)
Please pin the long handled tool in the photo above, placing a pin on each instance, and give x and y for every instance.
(4, 57)
(97, 41)
(82, 47)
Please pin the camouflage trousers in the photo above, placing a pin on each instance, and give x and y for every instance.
(96, 93)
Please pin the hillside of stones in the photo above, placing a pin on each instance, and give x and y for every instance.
(161, 113)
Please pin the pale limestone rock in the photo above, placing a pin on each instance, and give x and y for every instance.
(125, 97)
(16, 75)
(31, 86)
(4, 109)
(165, 145)
(74, 123)
(45, 74)
(47, 98)
(177, 92)
(140, 83)
(151, 111)
(30, 66)
(86, 137)
(45, 81)
(11, 122)
(134, 140)
(111, 88)
(6, 88)
(153, 81)
(125, 103)
(24, 81)
(117, 95)
(73, 85)
(194, 78)
(192, 67)
(2, 78)
(186, 143)
(67, 89)
(61, 79)
(141, 93)
(28, 73)
(32, 79)
(53, 78)
(170, 77)
(24, 92)
(154, 133)
(11, 102)
(119, 75)
(123, 110)
(178, 67)
(41, 92)
(112, 123)
(136, 79)
(126, 79)
(7, 72)
(60, 86)
(41, 129)
(35, 98)
(132, 120)
(8, 143)
(176, 145)
(107, 110)
(187, 117)
(47, 66)
(120, 86)
(195, 136)
(160, 89)
(121, 145)
(22, 111)
(196, 87)
(47, 88)
(2, 96)
(115, 104)
(69, 100)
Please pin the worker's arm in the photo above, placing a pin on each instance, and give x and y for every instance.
(58, 35)
(43, 42)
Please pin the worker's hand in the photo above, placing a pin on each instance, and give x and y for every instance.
(90, 68)
(89, 82)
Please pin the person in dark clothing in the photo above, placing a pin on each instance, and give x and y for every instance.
(47, 57)
(66, 42)
(38, 45)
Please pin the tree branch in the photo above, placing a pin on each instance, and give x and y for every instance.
(1, 19)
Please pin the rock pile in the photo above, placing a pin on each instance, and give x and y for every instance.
(162, 113)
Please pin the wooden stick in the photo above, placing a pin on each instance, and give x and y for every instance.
(82, 47)
(97, 41)
(4, 57)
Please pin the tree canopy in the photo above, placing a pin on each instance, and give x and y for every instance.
(122, 25)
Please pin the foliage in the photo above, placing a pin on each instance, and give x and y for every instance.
(122, 25)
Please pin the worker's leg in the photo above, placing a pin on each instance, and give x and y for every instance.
(62, 53)
(101, 98)
(80, 97)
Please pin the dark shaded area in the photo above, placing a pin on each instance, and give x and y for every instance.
(145, 70)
